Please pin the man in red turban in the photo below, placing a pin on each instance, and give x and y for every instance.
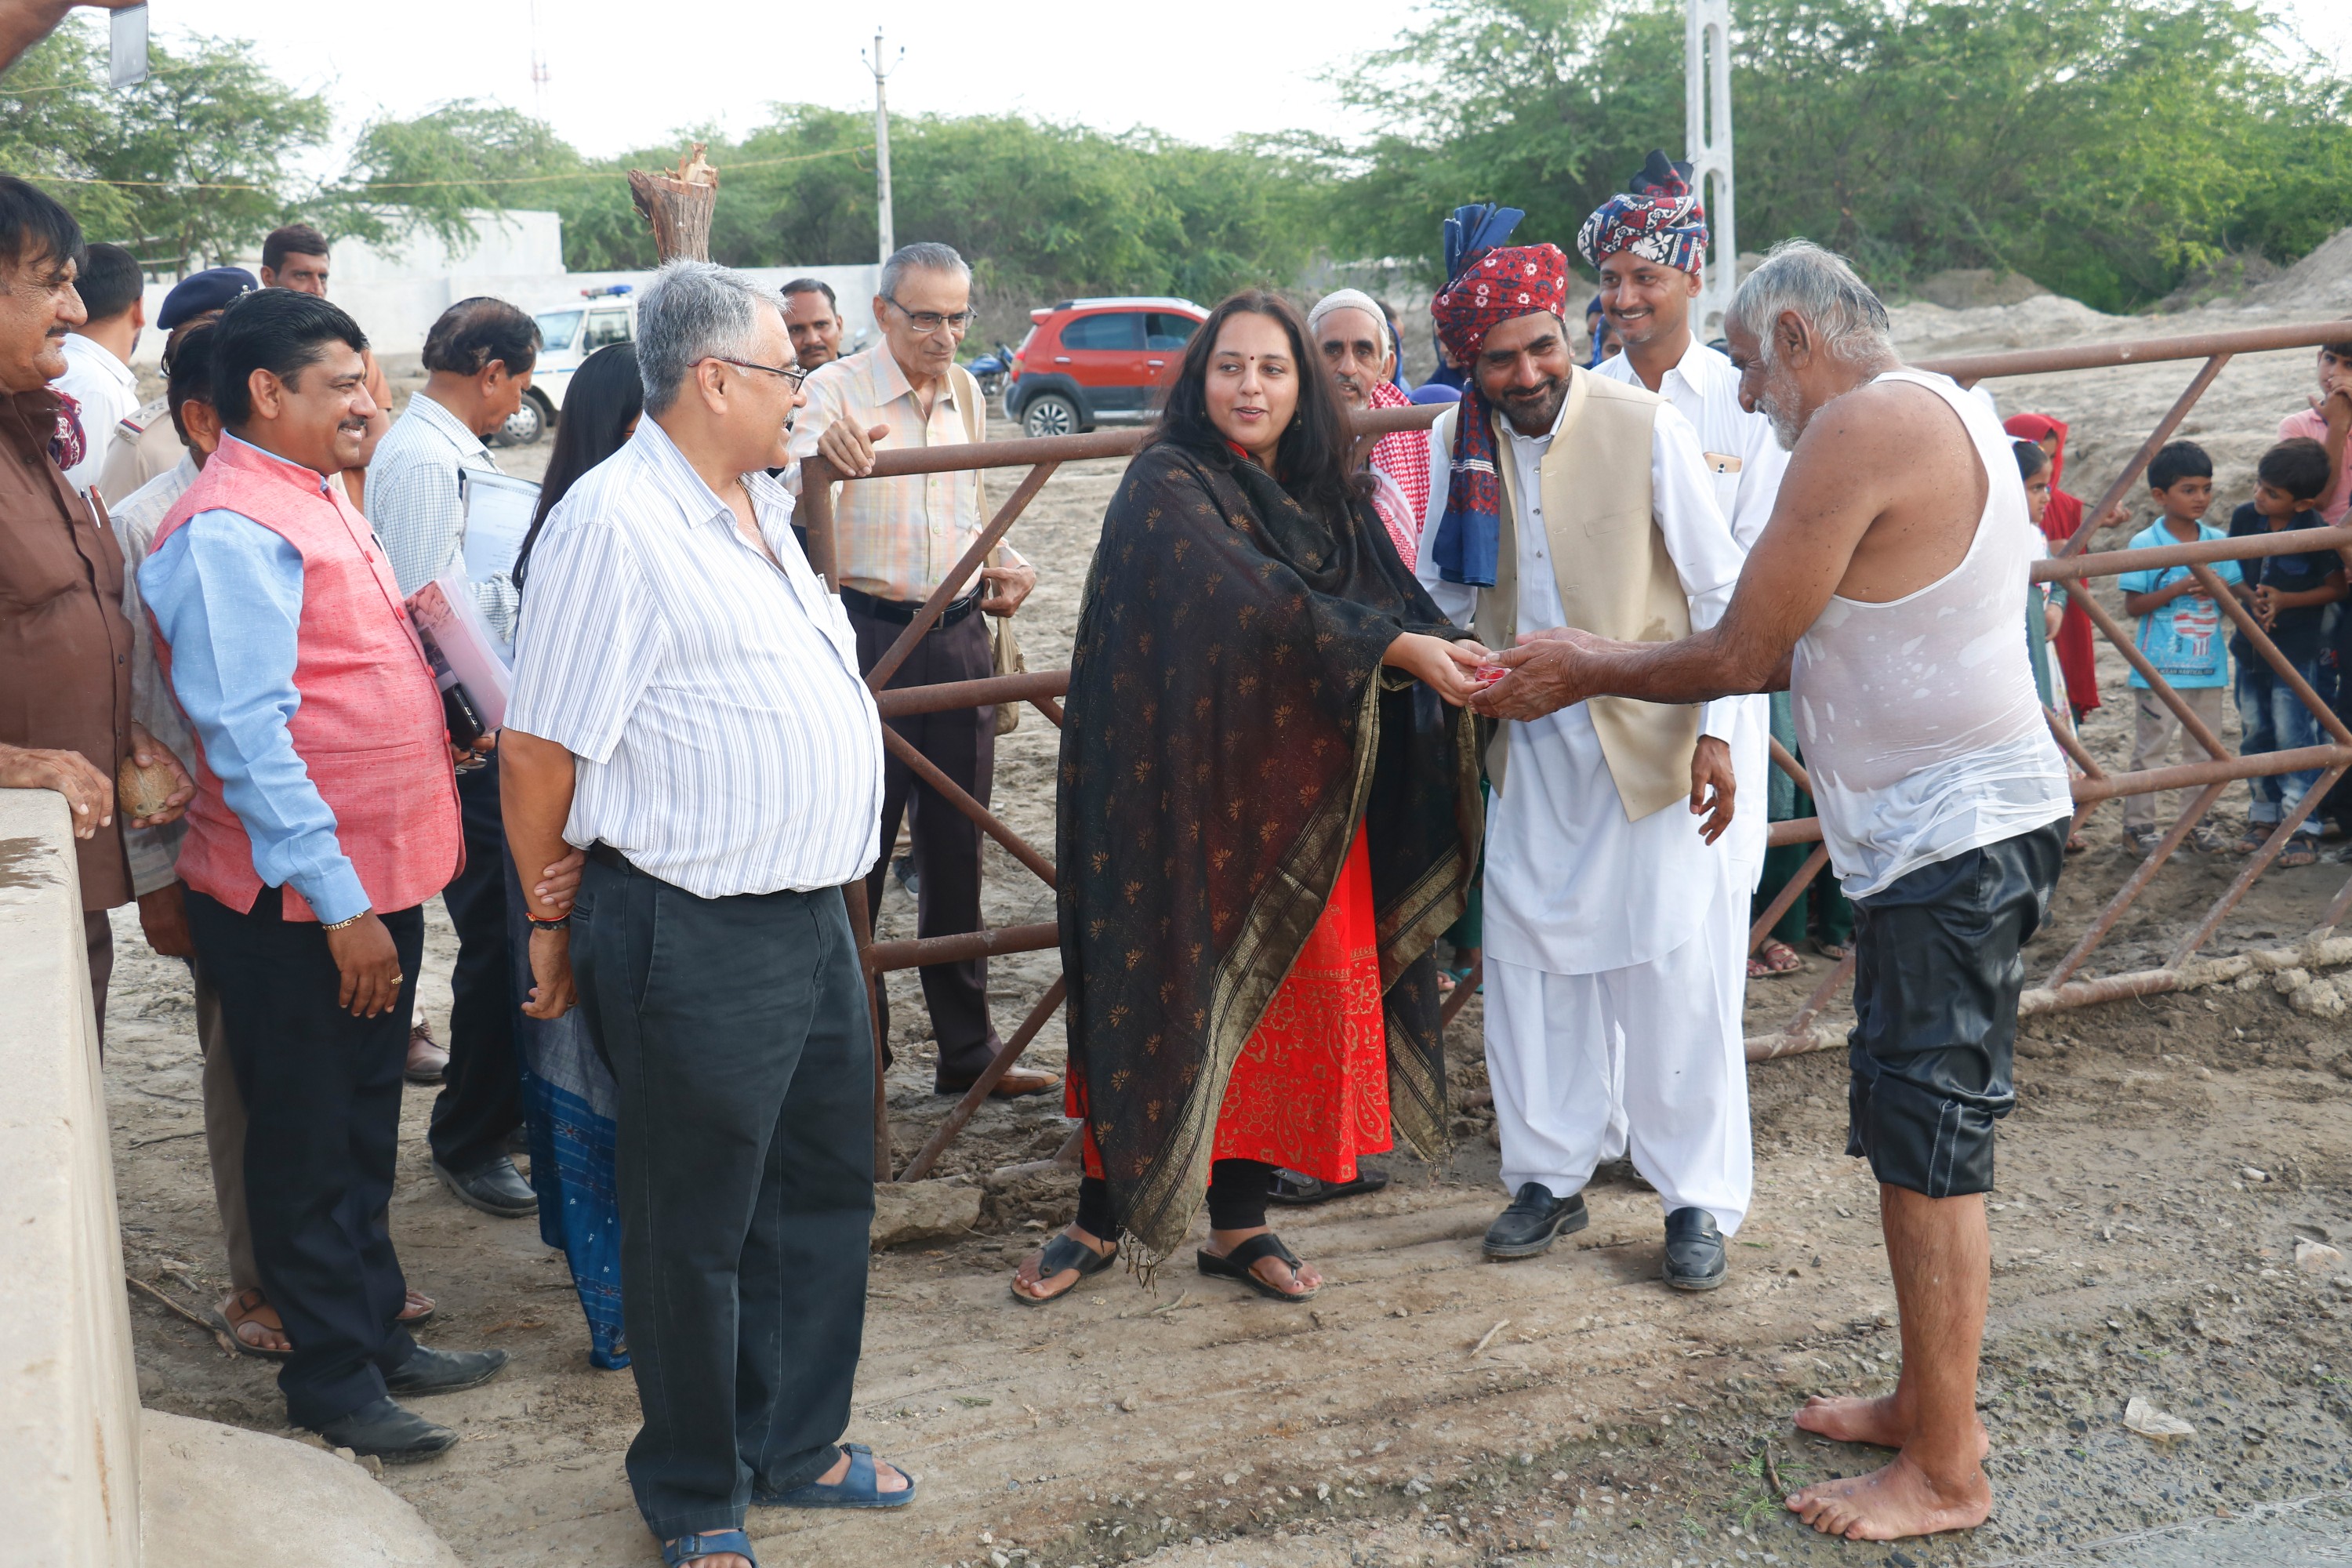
(1491, 284)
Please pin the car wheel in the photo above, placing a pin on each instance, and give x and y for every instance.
(1050, 413)
(525, 425)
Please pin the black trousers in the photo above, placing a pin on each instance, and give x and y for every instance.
(961, 743)
(742, 1059)
(481, 1089)
(322, 1092)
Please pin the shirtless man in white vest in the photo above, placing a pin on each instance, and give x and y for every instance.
(1884, 593)
(1616, 925)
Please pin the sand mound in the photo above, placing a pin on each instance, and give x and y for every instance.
(2320, 282)
(1922, 328)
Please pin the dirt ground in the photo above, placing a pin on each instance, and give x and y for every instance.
(1429, 1408)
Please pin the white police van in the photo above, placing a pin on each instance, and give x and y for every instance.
(568, 335)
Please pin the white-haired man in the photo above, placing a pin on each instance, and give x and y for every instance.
(1350, 330)
(675, 647)
(895, 540)
(1885, 594)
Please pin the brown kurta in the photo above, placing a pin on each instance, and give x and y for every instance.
(65, 644)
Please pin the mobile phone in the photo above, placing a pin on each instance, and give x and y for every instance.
(465, 726)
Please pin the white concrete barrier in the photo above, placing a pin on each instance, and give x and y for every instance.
(69, 1421)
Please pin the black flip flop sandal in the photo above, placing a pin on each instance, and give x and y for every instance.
(1058, 1255)
(1298, 1192)
(1236, 1266)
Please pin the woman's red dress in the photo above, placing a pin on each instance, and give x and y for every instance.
(1310, 1090)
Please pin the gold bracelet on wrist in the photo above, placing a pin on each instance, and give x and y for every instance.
(339, 925)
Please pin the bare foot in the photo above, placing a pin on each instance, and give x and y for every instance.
(1893, 1503)
(1874, 1421)
(718, 1560)
(1026, 1283)
(888, 1477)
(1273, 1270)
(255, 1323)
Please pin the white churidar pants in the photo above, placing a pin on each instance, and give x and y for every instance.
(1666, 1035)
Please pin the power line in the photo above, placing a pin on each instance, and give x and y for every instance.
(372, 186)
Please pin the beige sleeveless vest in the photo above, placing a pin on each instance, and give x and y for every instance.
(1615, 576)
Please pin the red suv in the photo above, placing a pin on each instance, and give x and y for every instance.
(1091, 361)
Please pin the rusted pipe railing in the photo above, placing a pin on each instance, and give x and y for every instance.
(1042, 689)
(2211, 776)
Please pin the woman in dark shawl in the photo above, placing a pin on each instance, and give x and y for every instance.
(1268, 810)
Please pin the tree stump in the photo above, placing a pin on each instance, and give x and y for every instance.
(678, 204)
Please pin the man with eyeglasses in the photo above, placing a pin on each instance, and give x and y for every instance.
(895, 540)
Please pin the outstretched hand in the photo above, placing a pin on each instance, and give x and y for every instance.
(1549, 671)
(1442, 664)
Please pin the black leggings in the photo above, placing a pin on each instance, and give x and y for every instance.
(1237, 1190)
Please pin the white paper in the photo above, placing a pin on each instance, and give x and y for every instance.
(126, 51)
(499, 508)
(459, 645)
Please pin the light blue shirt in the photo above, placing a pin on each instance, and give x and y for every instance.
(2187, 640)
(227, 594)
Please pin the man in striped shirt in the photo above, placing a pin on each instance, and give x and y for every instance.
(896, 540)
(688, 709)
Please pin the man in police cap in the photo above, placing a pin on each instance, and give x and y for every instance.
(143, 444)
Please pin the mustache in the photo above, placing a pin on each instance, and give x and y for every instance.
(1542, 389)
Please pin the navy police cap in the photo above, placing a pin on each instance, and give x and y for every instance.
(201, 292)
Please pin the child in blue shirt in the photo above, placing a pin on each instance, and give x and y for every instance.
(2179, 635)
(2289, 595)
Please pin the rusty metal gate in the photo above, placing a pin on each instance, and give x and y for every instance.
(2062, 988)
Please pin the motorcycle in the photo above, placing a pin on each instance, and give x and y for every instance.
(993, 370)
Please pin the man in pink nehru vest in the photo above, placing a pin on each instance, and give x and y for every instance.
(326, 813)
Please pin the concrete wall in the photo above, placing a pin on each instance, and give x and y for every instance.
(69, 1419)
(396, 293)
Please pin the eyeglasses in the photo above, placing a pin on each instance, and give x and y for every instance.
(929, 321)
(793, 378)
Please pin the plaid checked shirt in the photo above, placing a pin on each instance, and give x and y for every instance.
(895, 538)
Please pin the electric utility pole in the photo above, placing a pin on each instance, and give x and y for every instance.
(882, 143)
(1706, 122)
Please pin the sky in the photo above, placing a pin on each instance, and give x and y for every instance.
(616, 78)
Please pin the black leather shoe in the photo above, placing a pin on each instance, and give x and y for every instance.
(498, 1188)
(444, 1372)
(1533, 1221)
(395, 1436)
(1694, 1251)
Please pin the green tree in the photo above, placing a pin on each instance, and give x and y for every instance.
(2103, 147)
(432, 172)
(185, 169)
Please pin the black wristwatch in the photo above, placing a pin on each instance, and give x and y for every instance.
(556, 924)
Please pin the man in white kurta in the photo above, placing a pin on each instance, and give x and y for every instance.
(1649, 246)
(1610, 933)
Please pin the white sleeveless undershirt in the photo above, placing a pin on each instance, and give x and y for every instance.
(1919, 717)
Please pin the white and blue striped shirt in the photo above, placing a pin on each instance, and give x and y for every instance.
(725, 742)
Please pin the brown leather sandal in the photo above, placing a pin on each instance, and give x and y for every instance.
(251, 1309)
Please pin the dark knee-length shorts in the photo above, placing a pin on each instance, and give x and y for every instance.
(1938, 970)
